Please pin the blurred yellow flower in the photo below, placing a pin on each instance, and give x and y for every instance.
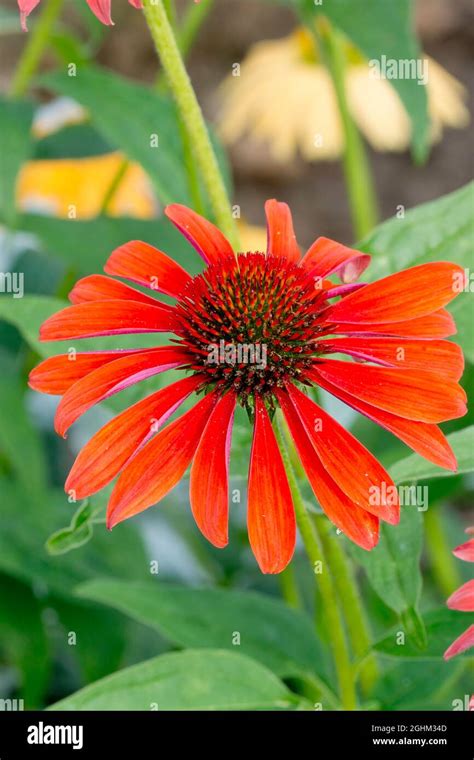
(76, 188)
(283, 96)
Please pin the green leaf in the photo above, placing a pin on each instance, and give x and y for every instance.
(442, 626)
(15, 126)
(100, 636)
(193, 680)
(111, 100)
(414, 467)
(409, 684)
(23, 639)
(73, 141)
(435, 231)
(441, 230)
(19, 440)
(268, 630)
(383, 29)
(27, 519)
(79, 532)
(393, 567)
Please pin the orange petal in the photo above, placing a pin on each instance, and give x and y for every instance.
(427, 440)
(404, 295)
(56, 374)
(209, 487)
(148, 266)
(439, 356)
(463, 598)
(94, 318)
(101, 9)
(355, 470)
(413, 394)
(112, 378)
(359, 525)
(107, 452)
(97, 287)
(326, 257)
(206, 238)
(270, 515)
(462, 643)
(465, 551)
(281, 238)
(160, 465)
(439, 324)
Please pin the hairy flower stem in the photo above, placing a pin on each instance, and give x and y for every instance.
(358, 175)
(357, 625)
(191, 114)
(325, 583)
(35, 46)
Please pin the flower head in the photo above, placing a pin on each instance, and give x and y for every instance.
(284, 97)
(463, 600)
(258, 329)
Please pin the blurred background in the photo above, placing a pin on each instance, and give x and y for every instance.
(52, 642)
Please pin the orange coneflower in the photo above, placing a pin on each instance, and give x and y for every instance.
(463, 600)
(404, 377)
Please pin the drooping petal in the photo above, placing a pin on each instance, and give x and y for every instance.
(426, 439)
(95, 318)
(355, 470)
(414, 394)
(360, 526)
(206, 238)
(160, 464)
(439, 324)
(97, 287)
(465, 551)
(281, 238)
(136, 3)
(405, 295)
(148, 266)
(270, 513)
(101, 9)
(438, 355)
(56, 374)
(112, 378)
(108, 451)
(326, 257)
(209, 487)
(461, 644)
(463, 598)
(26, 6)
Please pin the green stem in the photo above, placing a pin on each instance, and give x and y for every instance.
(314, 549)
(289, 588)
(191, 114)
(114, 185)
(35, 46)
(191, 170)
(357, 625)
(358, 175)
(443, 564)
